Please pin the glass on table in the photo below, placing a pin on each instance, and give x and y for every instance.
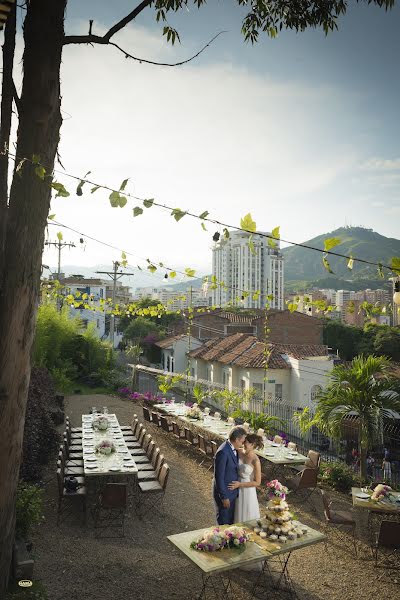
(105, 410)
(94, 410)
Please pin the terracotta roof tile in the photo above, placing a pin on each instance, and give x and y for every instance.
(302, 351)
(169, 341)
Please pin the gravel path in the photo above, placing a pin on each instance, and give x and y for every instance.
(74, 565)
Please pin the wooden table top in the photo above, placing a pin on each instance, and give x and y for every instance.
(383, 506)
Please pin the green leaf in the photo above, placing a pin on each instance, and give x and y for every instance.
(172, 274)
(40, 172)
(248, 224)
(122, 201)
(137, 211)
(292, 307)
(203, 227)
(35, 159)
(226, 233)
(123, 185)
(350, 263)
(381, 274)
(51, 217)
(250, 244)
(114, 199)
(395, 265)
(95, 188)
(275, 233)
(152, 268)
(204, 214)
(327, 265)
(256, 295)
(190, 272)
(59, 236)
(148, 203)
(178, 214)
(331, 243)
(60, 189)
(123, 255)
(271, 243)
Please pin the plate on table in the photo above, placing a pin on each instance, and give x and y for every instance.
(91, 459)
(88, 451)
(91, 466)
(291, 456)
(115, 469)
(269, 454)
(274, 445)
(363, 496)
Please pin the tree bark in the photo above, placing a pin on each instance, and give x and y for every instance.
(38, 133)
(363, 454)
(7, 93)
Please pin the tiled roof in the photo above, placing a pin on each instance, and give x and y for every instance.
(247, 351)
(302, 351)
(169, 341)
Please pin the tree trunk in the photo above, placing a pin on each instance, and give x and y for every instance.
(38, 133)
(363, 454)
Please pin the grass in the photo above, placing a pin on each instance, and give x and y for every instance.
(76, 387)
(36, 592)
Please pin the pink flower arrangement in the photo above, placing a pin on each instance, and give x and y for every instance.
(215, 539)
(380, 492)
(105, 447)
(276, 490)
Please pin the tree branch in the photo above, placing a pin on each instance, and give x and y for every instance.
(96, 39)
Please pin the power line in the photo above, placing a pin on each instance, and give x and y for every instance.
(204, 217)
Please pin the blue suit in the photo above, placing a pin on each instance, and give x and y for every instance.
(225, 471)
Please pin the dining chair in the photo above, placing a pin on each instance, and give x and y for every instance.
(151, 494)
(110, 509)
(146, 414)
(68, 499)
(387, 545)
(338, 519)
(165, 425)
(303, 484)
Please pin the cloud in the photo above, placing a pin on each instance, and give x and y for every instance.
(381, 164)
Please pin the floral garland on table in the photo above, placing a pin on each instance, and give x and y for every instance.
(380, 492)
(275, 490)
(105, 447)
(215, 539)
(194, 412)
(100, 423)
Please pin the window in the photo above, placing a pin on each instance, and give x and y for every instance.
(258, 388)
(278, 391)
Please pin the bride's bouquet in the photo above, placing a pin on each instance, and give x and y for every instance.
(215, 539)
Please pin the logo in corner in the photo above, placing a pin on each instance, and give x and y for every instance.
(25, 583)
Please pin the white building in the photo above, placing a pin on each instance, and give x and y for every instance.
(175, 300)
(295, 374)
(241, 271)
(174, 352)
(96, 290)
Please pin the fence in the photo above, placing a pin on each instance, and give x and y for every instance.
(331, 450)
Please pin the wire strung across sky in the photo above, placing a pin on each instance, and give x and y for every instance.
(203, 216)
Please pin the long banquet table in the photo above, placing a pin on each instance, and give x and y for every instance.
(215, 429)
(117, 463)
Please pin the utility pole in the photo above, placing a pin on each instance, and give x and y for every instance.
(60, 245)
(115, 275)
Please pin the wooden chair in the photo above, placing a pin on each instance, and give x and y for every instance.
(109, 512)
(164, 424)
(73, 429)
(155, 417)
(152, 475)
(303, 484)
(68, 467)
(338, 519)
(204, 448)
(128, 428)
(143, 450)
(190, 437)
(277, 439)
(152, 493)
(67, 499)
(177, 431)
(146, 414)
(313, 460)
(214, 448)
(138, 444)
(145, 459)
(387, 545)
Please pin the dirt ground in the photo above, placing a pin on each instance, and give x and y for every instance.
(74, 565)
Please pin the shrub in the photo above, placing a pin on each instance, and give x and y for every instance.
(338, 475)
(28, 509)
(40, 434)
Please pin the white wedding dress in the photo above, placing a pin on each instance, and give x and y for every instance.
(246, 505)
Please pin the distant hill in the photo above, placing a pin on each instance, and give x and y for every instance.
(304, 265)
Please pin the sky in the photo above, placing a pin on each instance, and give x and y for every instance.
(301, 131)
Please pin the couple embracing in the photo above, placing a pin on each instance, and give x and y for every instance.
(237, 475)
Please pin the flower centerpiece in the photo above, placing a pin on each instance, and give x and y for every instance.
(380, 492)
(276, 491)
(217, 539)
(105, 447)
(100, 423)
(194, 412)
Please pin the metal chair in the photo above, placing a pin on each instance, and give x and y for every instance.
(143, 450)
(109, 512)
(303, 484)
(68, 466)
(145, 459)
(338, 519)
(138, 444)
(73, 429)
(152, 475)
(151, 493)
(149, 465)
(388, 542)
(67, 498)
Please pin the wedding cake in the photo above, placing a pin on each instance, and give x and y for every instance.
(279, 524)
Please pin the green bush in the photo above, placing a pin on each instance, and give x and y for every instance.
(338, 475)
(259, 420)
(28, 509)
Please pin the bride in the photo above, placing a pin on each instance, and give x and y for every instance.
(246, 505)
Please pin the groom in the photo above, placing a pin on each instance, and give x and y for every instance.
(226, 471)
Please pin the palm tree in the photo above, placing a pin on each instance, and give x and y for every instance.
(366, 389)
